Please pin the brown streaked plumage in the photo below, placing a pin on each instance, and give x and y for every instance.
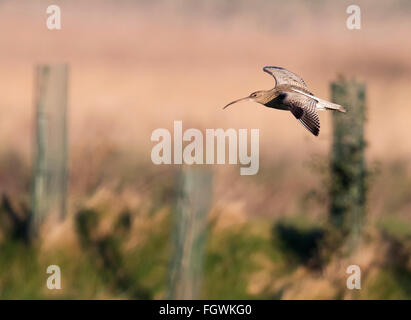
(291, 93)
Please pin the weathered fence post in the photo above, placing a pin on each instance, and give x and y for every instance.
(348, 169)
(190, 225)
(50, 145)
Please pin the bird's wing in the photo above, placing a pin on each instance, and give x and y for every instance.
(305, 110)
(283, 76)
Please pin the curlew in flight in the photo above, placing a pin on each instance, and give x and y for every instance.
(292, 94)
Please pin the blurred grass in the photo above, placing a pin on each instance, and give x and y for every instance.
(20, 272)
(390, 284)
(231, 260)
(395, 227)
(237, 259)
(262, 257)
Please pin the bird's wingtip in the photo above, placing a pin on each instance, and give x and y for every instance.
(272, 67)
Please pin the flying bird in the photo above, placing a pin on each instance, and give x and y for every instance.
(291, 93)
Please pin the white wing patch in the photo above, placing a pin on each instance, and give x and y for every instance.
(321, 104)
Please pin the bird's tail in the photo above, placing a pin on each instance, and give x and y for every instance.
(324, 105)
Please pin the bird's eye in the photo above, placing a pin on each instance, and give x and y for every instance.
(253, 95)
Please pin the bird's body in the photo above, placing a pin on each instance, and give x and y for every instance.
(291, 94)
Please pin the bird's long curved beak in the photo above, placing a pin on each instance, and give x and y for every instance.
(235, 101)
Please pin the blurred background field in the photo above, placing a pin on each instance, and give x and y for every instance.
(139, 65)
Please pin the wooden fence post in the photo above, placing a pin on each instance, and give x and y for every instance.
(190, 225)
(50, 145)
(348, 168)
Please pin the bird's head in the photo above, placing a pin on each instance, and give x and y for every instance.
(257, 96)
